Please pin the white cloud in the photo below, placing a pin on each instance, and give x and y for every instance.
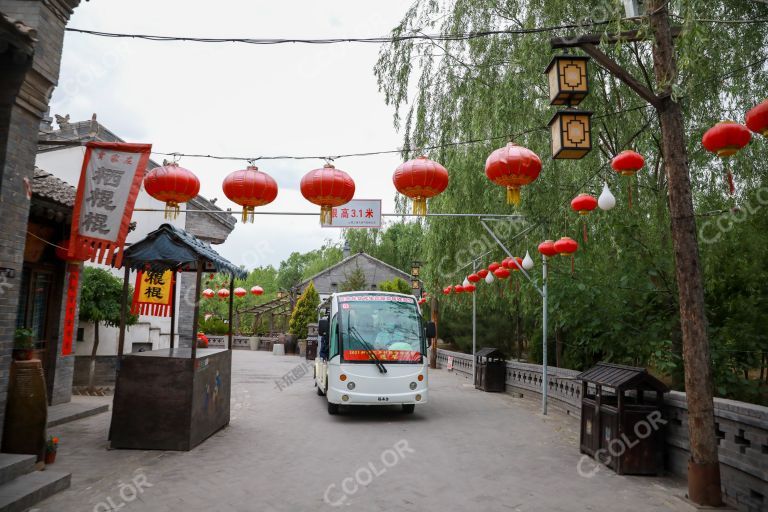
(242, 99)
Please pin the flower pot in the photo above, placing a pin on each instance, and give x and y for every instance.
(50, 457)
(23, 354)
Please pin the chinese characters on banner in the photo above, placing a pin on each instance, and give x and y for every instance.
(358, 213)
(70, 315)
(109, 183)
(152, 295)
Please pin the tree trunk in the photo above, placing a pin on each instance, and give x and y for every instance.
(92, 365)
(703, 467)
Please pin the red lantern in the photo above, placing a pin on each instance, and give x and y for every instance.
(501, 273)
(223, 293)
(493, 267)
(250, 188)
(627, 163)
(327, 187)
(470, 288)
(171, 184)
(757, 119)
(257, 290)
(566, 246)
(513, 167)
(458, 288)
(82, 253)
(515, 264)
(208, 293)
(240, 292)
(473, 278)
(447, 290)
(547, 248)
(726, 138)
(583, 204)
(482, 273)
(420, 179)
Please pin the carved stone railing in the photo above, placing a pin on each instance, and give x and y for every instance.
(741, 427)
(238, 342)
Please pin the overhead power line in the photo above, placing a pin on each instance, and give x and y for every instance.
(420, 36)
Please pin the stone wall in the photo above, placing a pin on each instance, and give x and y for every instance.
(742, 428)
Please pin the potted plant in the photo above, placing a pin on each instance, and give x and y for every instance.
(23, 346)
(51, 447)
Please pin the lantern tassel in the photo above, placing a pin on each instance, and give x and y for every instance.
(513, 196)
(171, 210)
(325, 216)
(246, 212)
(731, 186)
(420, 206)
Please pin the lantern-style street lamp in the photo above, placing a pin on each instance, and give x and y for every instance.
(568, 79)
(415, 268)
(571, 134)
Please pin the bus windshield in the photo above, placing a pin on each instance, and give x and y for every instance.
(383, 327)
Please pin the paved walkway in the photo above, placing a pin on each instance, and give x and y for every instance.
(464, 451)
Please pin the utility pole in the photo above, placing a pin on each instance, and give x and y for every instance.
(703, 466)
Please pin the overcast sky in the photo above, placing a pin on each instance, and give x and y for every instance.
(236, 99)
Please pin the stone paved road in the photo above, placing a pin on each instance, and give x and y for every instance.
(464, 451)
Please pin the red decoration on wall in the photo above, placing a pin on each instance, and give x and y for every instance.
(110, 180)
(327, 187)
(420, 179)
(70, 314)
(81, 253)
(513, 166)
(250, 188)
(757, 119)
(171, 184)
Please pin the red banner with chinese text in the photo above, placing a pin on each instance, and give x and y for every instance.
(153, 294)
(383, 355)
(70, 314)
(109, 183)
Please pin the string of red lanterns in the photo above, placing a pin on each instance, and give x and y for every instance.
(419, 179)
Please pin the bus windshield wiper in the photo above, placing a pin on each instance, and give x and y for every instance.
(368, 348)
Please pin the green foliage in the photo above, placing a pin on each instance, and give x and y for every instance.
(299, 267)
(23, 338)
(305, 312)
(214, 325)
(396, 285)
(620, 304)
(354, 281)
(101, 296)
(398, 245)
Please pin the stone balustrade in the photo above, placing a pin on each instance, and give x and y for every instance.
(742, 428)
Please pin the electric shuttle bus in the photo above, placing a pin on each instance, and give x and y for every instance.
(373, 351)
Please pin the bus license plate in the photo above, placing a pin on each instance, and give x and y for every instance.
(383, 399)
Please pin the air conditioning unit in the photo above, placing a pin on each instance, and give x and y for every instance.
(634, 8)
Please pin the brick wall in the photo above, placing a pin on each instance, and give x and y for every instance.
(20, 115)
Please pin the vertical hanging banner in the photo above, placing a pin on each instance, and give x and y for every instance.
(70, 314)
(152, 294)
(109, 183)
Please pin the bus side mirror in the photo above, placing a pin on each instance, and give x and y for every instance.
(322, 327)
(431, 330)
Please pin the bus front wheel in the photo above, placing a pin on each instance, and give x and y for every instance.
(333, 408)
(409, 408)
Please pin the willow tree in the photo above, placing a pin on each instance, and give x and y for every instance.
(459, 97)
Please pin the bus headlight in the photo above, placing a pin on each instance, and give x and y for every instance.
(350, 386)
(413, 385)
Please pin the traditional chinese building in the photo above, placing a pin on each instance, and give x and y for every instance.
(61, 152)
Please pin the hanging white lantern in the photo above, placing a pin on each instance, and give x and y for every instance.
(527, 261)
(489, 278)
(465, 283)
(606, 201)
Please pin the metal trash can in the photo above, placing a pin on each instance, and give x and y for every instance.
(490, 370)
(621, 418)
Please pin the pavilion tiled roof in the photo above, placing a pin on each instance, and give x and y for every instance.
(50, 188)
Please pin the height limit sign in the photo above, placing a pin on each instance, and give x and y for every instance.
(358, 213)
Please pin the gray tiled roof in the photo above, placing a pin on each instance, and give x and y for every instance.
(47, 186)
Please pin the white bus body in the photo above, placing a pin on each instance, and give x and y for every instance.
(376, 351)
